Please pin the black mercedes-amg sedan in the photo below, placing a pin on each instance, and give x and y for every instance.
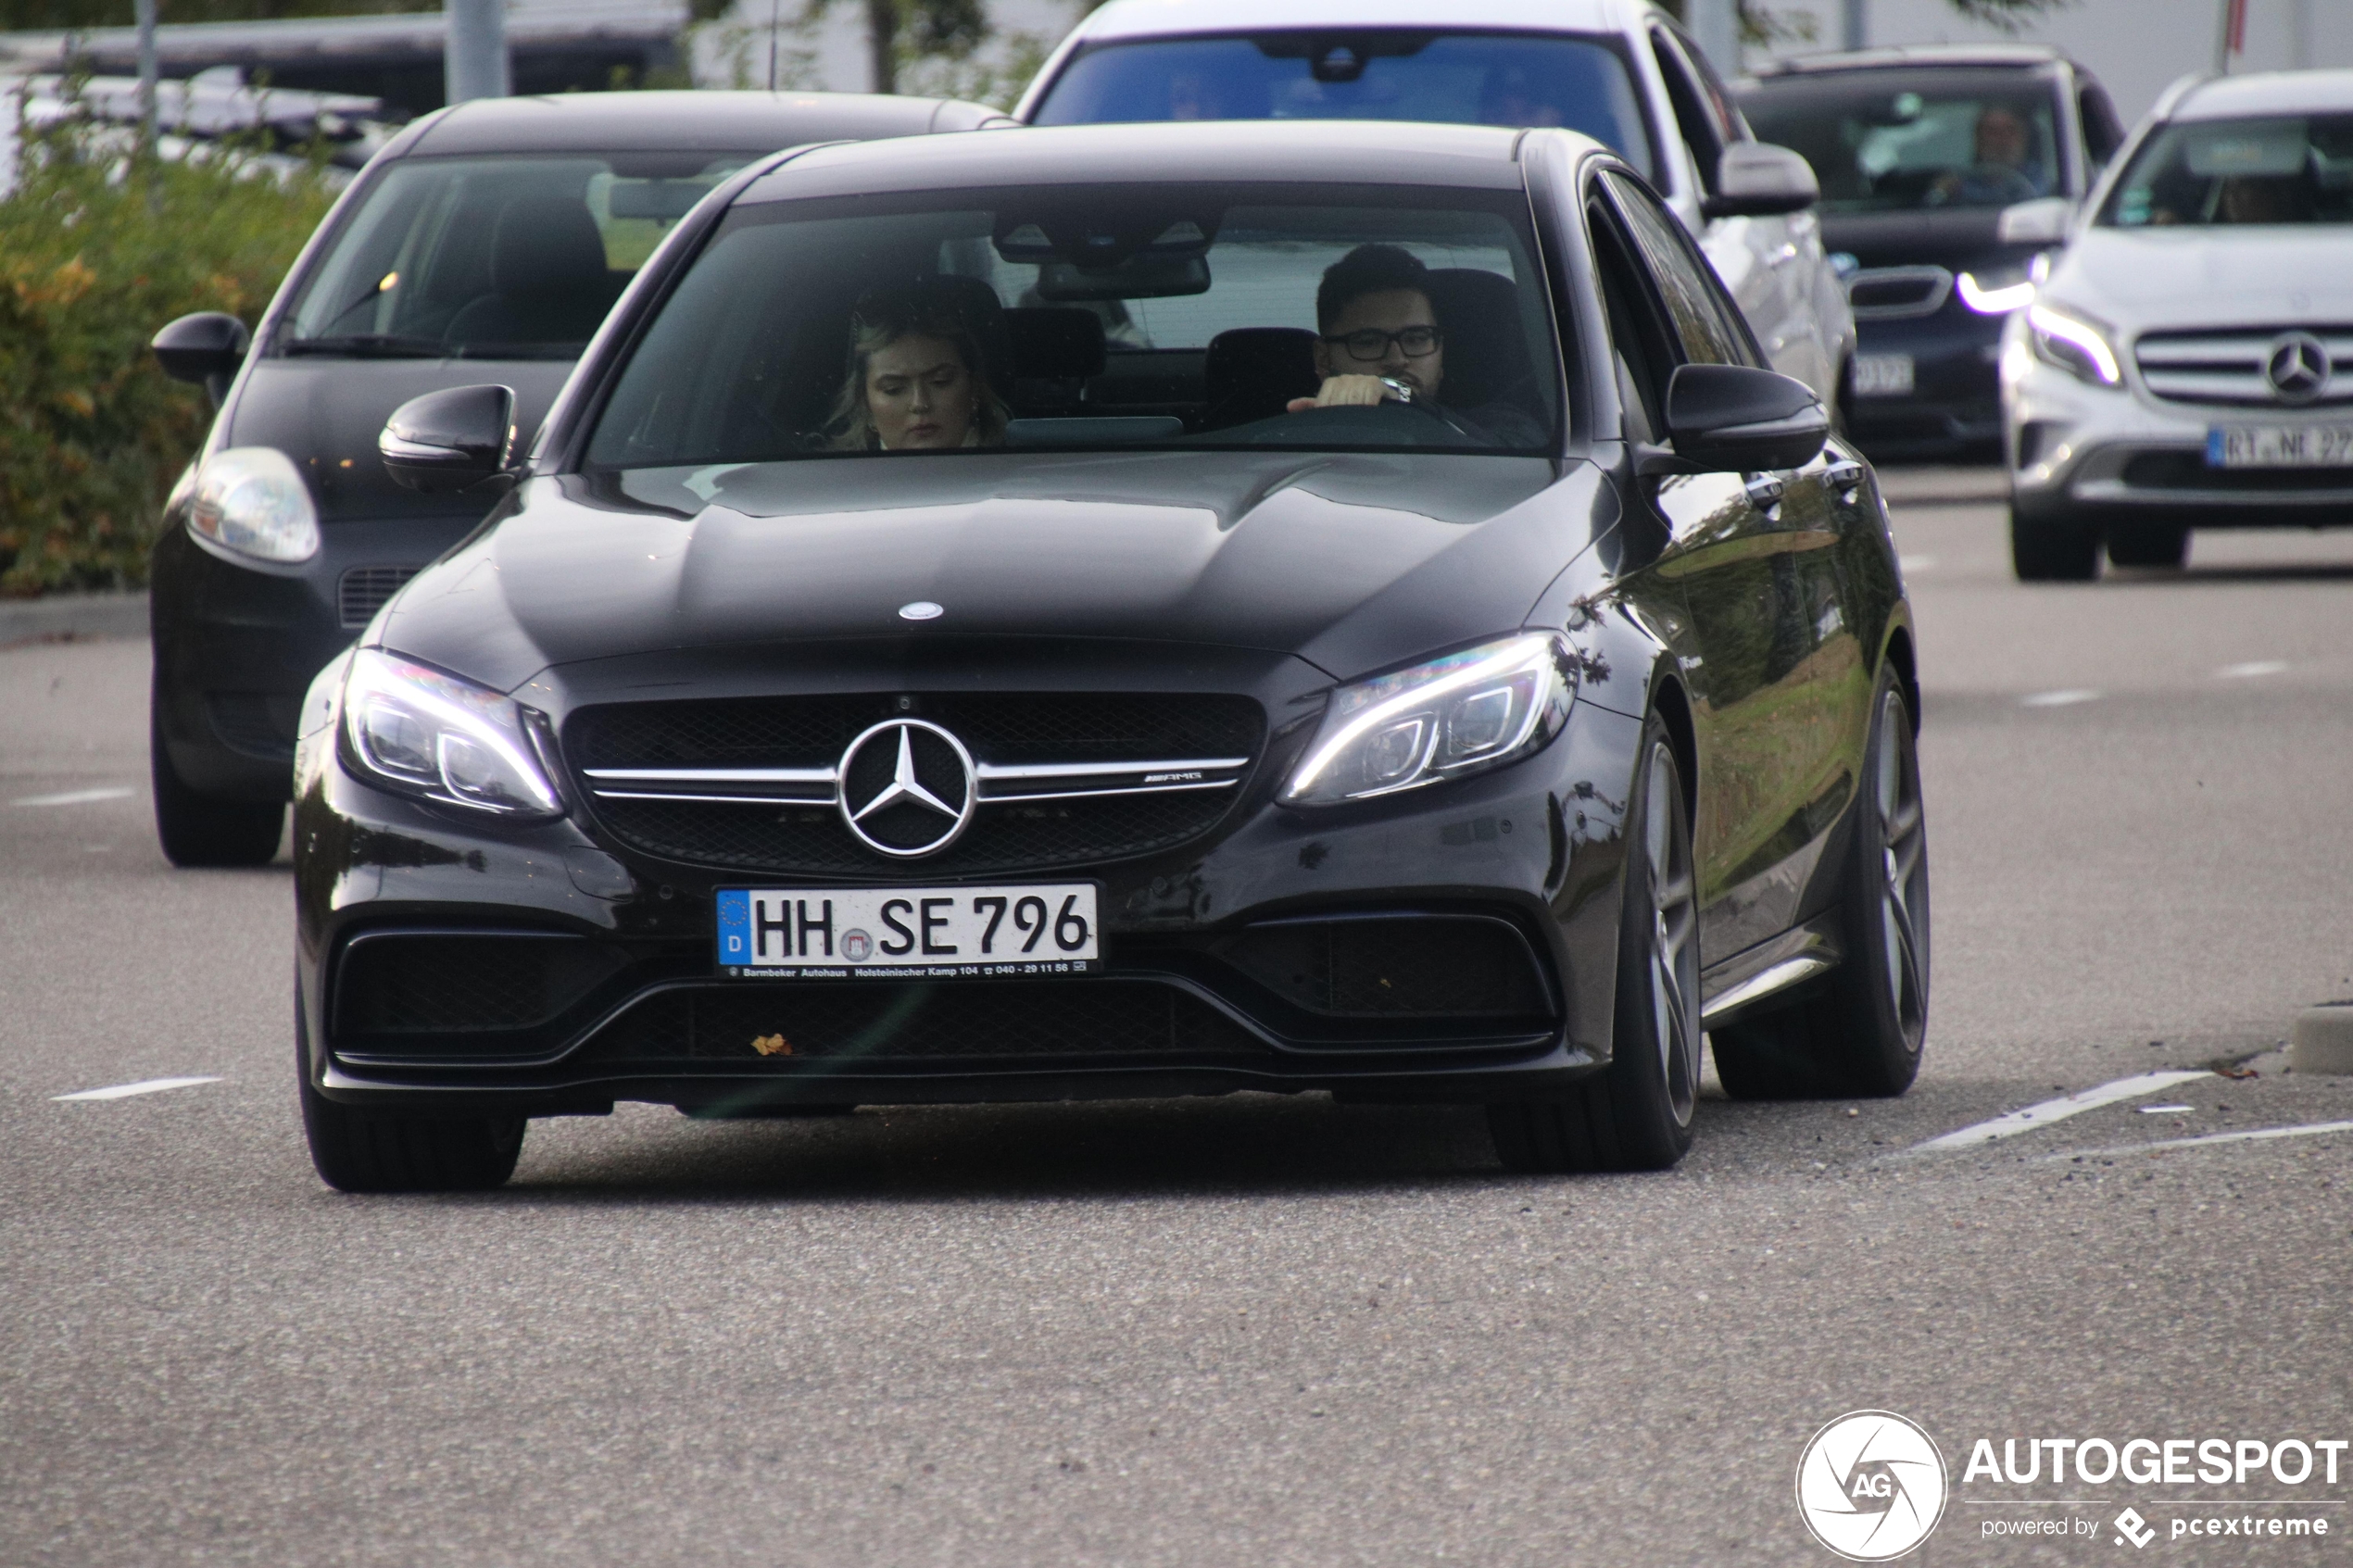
(1128, 611)
(484, 243)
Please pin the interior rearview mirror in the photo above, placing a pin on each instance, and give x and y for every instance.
(1737, 418)
(1759, 180)
(205, 349)
(446, 441)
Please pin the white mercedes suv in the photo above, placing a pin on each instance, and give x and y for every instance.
(2188, 359)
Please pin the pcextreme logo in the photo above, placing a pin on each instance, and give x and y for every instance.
(1871, 1485)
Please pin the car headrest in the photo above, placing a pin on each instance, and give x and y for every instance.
(982, 311)
(1486, 343)
(546, 244)
(1055, 342)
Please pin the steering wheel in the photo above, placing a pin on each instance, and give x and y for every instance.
(1346, 420)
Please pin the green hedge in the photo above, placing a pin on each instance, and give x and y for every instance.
(97, 251)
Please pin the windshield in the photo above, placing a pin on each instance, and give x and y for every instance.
(1466, 78)
(1897, 141)
(1093, 316)
(2294, 169)
(515, 257)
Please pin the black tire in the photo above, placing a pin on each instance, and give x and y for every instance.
(1859, 1031)
(2148, 543)
(196, 830)
(1636, 1115)
(356, 1153)
(2052, 546)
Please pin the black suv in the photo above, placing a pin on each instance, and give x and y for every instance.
(1946, 173)
(485, 242)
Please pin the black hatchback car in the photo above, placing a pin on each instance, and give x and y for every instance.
(1946, 173)
(484, 240)
(1128, 611)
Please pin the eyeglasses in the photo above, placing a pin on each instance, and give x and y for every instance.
(1372, 344)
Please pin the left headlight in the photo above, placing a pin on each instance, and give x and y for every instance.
(252, 500)
(413, 729)
(1461, 714)
(2074, 344)
(1996, 290)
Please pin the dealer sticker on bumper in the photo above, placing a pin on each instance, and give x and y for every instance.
(935, 932)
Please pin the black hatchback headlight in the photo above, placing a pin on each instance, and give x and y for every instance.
(1462, 714)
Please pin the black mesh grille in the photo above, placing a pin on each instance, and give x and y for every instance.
(363, 590)
(2187, 470)
(403, 985)
(883, 1023)
(813, 732)
(1419, 967)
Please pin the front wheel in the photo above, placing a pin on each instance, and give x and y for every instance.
(353, 1152)
(2148, 543)
(1637, 1114)
(1860, 1032)
(196, 830)
(2052, 546)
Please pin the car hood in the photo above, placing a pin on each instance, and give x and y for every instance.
(2157, 278)
(1351, 561)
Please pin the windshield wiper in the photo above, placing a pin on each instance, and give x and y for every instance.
(372, 346)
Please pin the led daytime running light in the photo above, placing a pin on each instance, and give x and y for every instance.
(1997, 301)
(2082, 336)
(1537, 657)
(457, 716)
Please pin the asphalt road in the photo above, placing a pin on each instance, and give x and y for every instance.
(1254, 1330)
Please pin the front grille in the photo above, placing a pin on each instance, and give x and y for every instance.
(1420, 966)
(258, 724)
(1000, 729)
(404, 983)
(844, 1021)
(363, 590)
(1886, 294)
(2189, 471)
(2227, 366)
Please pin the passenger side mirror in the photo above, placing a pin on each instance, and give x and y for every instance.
(205, 349)
(447, 441)
(1760, 180)
(2042, 221)
(1736, 419)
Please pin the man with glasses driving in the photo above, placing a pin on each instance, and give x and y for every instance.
(1379, 340)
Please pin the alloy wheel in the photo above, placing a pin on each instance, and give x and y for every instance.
(1674, 956)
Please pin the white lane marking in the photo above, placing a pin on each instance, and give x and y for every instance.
(144, 1087)
(2310, 1129)
(2060, 699)
(1916, 564)
(2050, 1110)
(2163, 1109)
(2249, 671)
(76, 796)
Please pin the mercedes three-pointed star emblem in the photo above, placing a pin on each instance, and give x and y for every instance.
(2298, 367)
(908, 788)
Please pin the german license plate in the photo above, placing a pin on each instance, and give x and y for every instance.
(2280, 446)
(1882, 375)
(932, 933)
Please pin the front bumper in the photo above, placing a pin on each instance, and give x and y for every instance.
(1955, 404)
(236, 646)
(2119, 452)
(1205, 986)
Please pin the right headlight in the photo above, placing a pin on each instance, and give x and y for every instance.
(2077, 346)
(1461, 714)
(417, 730)
(252, 500)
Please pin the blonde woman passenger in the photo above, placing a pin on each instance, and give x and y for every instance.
(917, 380)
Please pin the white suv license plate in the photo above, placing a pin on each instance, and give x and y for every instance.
(2280, 446)
(908, 932)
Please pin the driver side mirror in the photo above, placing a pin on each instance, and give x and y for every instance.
(205, 349)
(1760, 180)
(448, 441)
(1737, 418)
